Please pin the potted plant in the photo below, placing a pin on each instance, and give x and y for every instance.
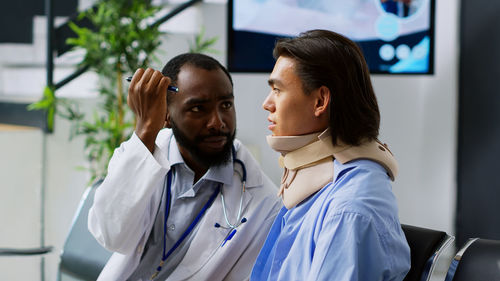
(122, 40)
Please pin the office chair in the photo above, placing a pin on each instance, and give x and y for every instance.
(82, 256)
(426, 245)
(478, 260)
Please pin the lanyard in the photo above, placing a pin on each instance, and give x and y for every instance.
(187, 231)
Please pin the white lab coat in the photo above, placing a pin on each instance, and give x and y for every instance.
(126, 203)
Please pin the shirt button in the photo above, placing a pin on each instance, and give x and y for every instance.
(171, 227)
(139, 250)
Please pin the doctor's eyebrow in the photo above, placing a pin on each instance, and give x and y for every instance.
(226, 97)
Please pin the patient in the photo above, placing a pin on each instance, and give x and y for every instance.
(340, 220)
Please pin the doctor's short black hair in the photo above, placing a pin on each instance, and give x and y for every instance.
(326, 58)
(173, 66)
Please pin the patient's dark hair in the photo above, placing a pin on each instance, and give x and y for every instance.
(326, 58)
(173, 66)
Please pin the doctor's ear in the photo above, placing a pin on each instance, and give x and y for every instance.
(168, 124)
(322, 96)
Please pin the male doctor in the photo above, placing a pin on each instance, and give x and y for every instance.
(188, 202)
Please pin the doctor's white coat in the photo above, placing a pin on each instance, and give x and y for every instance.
(126, 203)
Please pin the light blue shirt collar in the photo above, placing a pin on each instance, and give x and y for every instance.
(220, 174)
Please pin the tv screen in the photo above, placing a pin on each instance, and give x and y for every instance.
(396, 36)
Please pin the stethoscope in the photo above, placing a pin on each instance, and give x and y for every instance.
(232, 227)
(239, 219)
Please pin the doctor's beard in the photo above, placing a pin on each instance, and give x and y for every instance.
(206, 159)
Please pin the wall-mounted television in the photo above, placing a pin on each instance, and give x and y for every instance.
(396, 36)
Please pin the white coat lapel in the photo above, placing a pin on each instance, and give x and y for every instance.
(208, 238)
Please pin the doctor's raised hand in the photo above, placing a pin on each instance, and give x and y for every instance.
(147, 97)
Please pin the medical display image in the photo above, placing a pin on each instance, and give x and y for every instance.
(396, 36)
(401, 8)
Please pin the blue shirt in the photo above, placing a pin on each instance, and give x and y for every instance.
(348, 230)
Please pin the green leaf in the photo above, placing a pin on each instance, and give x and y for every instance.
(201, 44)
(48, 103)
(50, 118)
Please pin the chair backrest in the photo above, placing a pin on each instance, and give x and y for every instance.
(82, 256)
(426, 245)
(478, 260)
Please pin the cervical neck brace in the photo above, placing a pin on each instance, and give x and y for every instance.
(308, 162)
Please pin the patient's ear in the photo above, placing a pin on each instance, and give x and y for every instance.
(322, 97)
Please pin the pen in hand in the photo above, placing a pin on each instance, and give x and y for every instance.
(169, 88)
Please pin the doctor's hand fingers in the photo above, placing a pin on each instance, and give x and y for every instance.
(141, 78)
(147, 75)
(163, 85)
(149, 105)
(141, 86)
(135, 79)
(143, 97)
(149, 82)
(137, 75)
(154, 81)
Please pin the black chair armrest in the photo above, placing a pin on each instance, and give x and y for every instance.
(25, 252)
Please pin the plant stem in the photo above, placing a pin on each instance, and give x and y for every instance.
(119, 77)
